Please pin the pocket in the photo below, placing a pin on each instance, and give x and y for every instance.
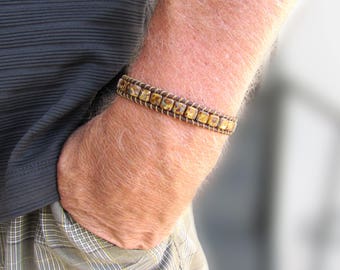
(81, 249)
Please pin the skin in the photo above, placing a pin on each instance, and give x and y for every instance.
(129, 173)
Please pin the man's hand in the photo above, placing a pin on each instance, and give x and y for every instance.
(129, 173)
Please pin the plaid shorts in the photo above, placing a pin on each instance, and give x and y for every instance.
(49, 239)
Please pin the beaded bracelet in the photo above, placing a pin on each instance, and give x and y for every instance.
(177, 107)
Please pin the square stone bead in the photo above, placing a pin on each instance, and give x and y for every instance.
(231, 126)
(122, 84)
(202, 117)
(145, 95)
(155, 99)
(213, 120)
(167, 104)
(179, 108)
(134, 90)
(223, 123)
(191, 112)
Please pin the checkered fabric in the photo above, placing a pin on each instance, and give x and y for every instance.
(49, 239)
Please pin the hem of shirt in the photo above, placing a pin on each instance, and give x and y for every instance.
(38, 190)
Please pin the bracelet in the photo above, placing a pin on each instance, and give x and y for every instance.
(175, 106)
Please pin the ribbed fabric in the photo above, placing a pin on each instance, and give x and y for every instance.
(54, 57)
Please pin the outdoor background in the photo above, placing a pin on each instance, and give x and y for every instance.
(274, 200)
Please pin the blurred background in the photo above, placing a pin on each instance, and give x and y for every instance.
(274, 200)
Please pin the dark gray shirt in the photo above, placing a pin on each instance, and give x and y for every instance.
(54, 58)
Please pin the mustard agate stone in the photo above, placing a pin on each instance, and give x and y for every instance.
(231, 126)
(145, 95)
(179, 108)
(156, 99)
(167, 104)
(202, 117)
(191, 112)
(134, 90)
(122, 84)
(223, 124)
(213, 120)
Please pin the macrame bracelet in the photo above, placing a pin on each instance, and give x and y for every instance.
(177, 107)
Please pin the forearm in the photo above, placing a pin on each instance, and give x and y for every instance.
(208, 52)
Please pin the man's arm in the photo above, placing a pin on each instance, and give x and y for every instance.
(129, 173)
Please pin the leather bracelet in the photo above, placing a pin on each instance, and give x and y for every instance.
(178, 107)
